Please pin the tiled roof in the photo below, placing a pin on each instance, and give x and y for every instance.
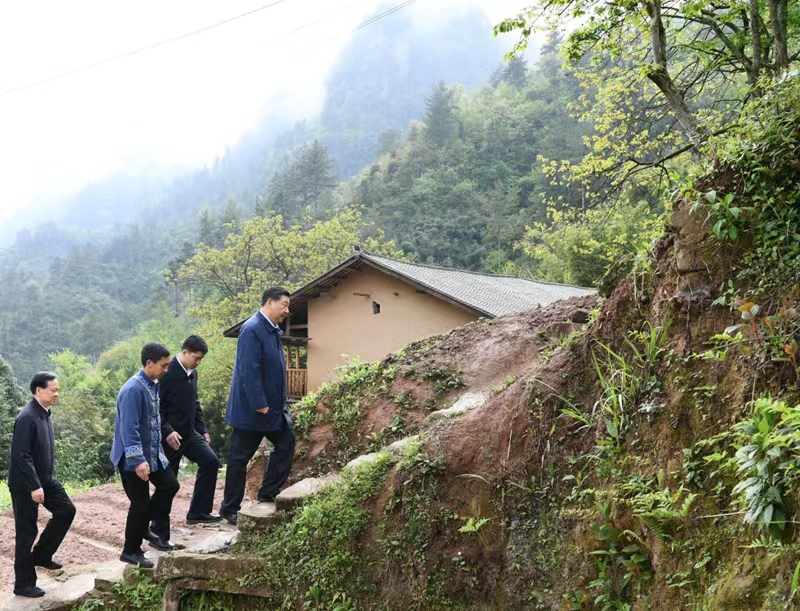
(492, 295)
(485, 294)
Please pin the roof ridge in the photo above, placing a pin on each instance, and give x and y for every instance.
(468, 271)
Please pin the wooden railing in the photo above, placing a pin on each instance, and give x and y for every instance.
(297, 383)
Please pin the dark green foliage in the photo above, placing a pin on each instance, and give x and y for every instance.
(304, 185)
(12, 398)
(324, 534)
(441, 118)
(760, 201)
(475, 157)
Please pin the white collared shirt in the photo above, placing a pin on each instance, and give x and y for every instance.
(188, 371)
(44, 407)
(268, 320)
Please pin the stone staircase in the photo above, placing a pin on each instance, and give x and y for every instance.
(204, 562)
(66, 588)
(221, 572)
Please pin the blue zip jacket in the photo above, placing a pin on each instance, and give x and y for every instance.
(137, 429)
(259, 378)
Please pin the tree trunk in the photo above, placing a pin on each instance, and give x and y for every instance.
(778, 11)
(660, 76)
(755, 38)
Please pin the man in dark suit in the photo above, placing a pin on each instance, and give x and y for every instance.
(257, 404)
(32, 483)
(183, 430)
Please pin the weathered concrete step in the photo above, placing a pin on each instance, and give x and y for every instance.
(216, 572)
(294, 495)
(189, 565)
(363, 460)
(259, 516)
(58, 594)
(218, 543)
(465, 403)
(399, 446)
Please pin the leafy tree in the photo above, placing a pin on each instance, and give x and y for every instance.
(12, 399)
(579, 248)
(666, 76)
(441, 118)
(228, 281)
(304, 185)
(83, 420)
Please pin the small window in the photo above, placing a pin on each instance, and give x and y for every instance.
(376, 307)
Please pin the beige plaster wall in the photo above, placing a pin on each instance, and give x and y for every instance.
(341, 323)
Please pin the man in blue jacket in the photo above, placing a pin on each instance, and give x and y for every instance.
(138, 455)
(257, 404)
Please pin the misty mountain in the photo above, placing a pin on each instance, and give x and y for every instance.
(89, 271)
(381, 80)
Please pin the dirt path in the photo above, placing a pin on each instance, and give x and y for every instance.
(98, 530)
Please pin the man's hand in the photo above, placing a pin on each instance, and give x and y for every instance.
(38, 496)
(263, 410)
(174, 440)
(143, 471)
(207, 437)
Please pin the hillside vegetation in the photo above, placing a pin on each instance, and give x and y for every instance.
(647, 462)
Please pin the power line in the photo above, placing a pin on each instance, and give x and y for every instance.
(390, 11)
(142, 272)
(202, 30)
(160, 43)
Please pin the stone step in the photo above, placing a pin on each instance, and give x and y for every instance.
(294, 495)
(259, 516)
(465, 403)
(214, 567)
(218, 543)
(59, 595)
(398, 447)
(363, 459)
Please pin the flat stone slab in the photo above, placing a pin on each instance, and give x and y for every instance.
(108, 574)
(292, 496)
(363, 459)
(401, 444)
(465, 403)
(258, 516)
(58, 594)
(222, 541)
(214, 567)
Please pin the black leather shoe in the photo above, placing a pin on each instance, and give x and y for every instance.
(230, 519)
(30, 592)
(136, 559)
(266, 499)
(155, 541)
(203, 518)
(50, 565)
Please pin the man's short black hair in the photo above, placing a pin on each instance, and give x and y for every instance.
(195, 343)
(41, 380)
(274, 293)
(153, 352)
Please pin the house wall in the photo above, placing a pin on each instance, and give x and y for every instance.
(341, 323)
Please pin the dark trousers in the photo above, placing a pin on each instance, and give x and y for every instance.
(26, 512)
(197, 450)
(243, 445)
(144, 507)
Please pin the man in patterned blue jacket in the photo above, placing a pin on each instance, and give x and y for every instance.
(137, 454)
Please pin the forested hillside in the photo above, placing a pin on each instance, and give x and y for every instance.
(87, 275)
